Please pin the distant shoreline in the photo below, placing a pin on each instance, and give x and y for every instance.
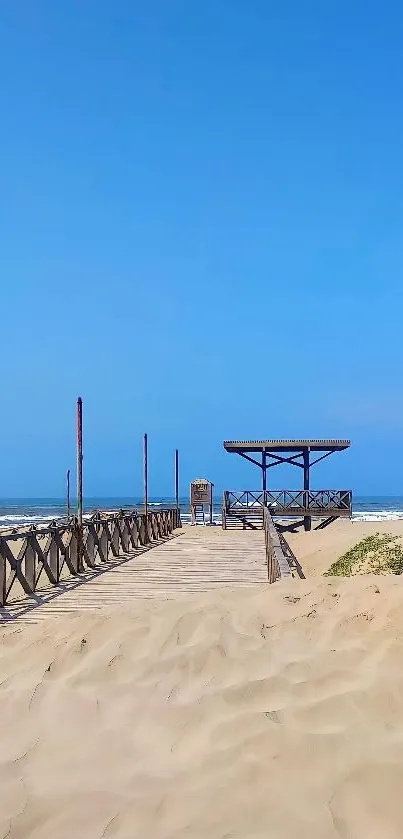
(25, 512)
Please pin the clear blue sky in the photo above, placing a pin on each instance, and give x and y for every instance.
(201, 223)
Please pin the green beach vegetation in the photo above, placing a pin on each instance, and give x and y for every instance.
(376, 554)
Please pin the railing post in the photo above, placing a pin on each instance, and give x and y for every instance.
(54, 555)
(3, 575)
(307, 519)
(73, 550)
(30, 564)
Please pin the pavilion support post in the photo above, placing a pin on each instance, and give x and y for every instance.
(307, 519)
(264, 471)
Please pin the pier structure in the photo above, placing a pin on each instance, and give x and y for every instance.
(112, 557)
(246, 507)
(130, 555)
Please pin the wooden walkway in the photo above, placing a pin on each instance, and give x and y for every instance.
(194, 559)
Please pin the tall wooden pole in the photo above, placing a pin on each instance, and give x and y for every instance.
(68, 493)
(145, 471)
(80, 460)
(176, 476)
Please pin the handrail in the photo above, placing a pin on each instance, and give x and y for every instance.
(28, 554)
(326, 500)
(277, 563)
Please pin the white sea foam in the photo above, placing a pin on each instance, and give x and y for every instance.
(14, 520)
(24, 518)
(378, 515)
(19, 519)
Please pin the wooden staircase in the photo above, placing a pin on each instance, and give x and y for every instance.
(247, 519)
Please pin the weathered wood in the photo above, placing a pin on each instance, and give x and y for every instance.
(88, 547)
(200, 559)
(145, 472)
(80, 460)
(43, 555)
(124, 535)
(296, 453)
(53, 555)
(277, 563)
(288, 502)
(30, 563)
(134, 533)
(176, 478)
(102, 536)
(67, 556)
(286, 445)
(72, 557)
(15, 565)
(27, 557)
(307, 519)
(68, 493)
(3, 579)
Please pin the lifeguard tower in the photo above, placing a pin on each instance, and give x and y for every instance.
(201, 501)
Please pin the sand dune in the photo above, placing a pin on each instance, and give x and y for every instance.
(267, 712)
(317, 549)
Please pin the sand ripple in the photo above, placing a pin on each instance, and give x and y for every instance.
(275, 712)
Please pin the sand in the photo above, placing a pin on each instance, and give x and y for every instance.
(269, 712)
(266, 712)
(317, 549)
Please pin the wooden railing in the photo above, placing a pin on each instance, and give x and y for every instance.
(245, 499)
(36, 557)
(277, 562)
(289, 502)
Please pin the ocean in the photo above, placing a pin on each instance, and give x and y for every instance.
(17, 512)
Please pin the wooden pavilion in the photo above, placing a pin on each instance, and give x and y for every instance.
(303, 503)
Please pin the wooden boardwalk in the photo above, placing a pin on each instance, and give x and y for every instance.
(194, 559)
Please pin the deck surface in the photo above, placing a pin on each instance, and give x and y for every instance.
(194, 559)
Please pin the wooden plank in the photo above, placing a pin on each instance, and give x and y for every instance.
(25, 555)
(277, 562)
(15, 565)
(46, 560)
(286, 445)
(199, 559)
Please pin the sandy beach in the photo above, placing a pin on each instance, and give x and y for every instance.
(269, 711)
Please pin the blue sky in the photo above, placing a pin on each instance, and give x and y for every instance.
(201, 233)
